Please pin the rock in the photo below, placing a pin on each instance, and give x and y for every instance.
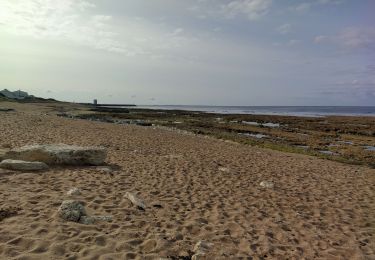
(103, 218)
(104, 169)
(74, 192)
(86, 220)
(71, 210)
(201, 249)
(267, 184)
(224, 169)
(8, 212)
(6, 109)
(59, 154)
(3, 152)
(136, 201)
(199, 256)
(19, 165)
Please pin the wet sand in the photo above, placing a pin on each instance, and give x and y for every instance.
(195, 188)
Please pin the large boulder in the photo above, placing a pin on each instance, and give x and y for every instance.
(59, 154)
(23, 165)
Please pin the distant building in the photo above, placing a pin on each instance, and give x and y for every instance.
(15, 94)
(95, 102)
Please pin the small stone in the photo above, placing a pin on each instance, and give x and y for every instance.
(6, 109)
(86, 220)
(104, 169)
(71, 210)
(267, 184)
(224, 169)
(19, 165)
(136, 201)
(74, 192)
(103, 218)
(201, 249)
(199, 256)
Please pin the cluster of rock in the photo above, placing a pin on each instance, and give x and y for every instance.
(73, 210)
(38, 157)
(107, 119)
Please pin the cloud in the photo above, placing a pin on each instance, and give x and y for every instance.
(320, 38)
(252, 9)
(306, 6)
(293, 42)
(284, 29)
(356, 88)
(78, 22)
(351, 38)
(303, 7)
(355, 37)
(67, 20)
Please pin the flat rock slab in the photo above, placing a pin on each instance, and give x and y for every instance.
(55, 154)
(23, 165)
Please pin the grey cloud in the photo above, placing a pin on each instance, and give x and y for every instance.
(251, 9)
(284, 28)
(306, 6)
(351, 38)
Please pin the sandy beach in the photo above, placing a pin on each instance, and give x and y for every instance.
(195, 188)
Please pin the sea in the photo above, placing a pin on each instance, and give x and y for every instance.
(303, 111)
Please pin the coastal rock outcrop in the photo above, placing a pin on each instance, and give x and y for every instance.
(19, 165)
(59, 154)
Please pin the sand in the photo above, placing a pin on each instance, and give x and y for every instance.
(194, 188)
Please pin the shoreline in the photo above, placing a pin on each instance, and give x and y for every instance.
(242, 199)
(348, 139)
(236, 110)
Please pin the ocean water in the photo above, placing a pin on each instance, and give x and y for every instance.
(311, 111)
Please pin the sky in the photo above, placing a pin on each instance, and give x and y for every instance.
(191, 52)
